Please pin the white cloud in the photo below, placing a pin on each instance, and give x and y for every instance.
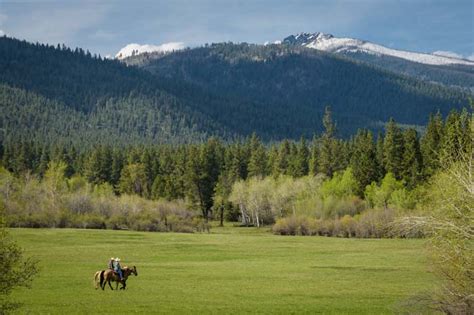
(449, 54)
(471, 57)
(2, 33)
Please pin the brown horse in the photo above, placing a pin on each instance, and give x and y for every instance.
(106, 276)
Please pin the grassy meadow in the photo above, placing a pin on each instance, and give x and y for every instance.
(230, 271)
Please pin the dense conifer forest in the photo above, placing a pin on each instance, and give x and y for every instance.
(56, 94)
(338, 177)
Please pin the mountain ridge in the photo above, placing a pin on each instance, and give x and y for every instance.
(330, 43)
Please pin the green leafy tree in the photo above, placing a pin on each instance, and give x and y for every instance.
(17, 270)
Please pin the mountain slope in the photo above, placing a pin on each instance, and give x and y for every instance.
(279, 91)
(329, 43)
(282, 90)
(430, 67)
(53, 94)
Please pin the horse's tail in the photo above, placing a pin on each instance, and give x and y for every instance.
(96, 279)
(101, 277)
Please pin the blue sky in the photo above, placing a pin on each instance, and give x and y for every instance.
(106, 26)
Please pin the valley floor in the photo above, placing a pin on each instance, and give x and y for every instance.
(231, 270)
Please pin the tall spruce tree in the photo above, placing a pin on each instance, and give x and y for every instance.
(412, 159)
(257, 166)
(393, 149)
(431, 144)
(282, 162)
(300, 164)
(453, 139)
(363, 161)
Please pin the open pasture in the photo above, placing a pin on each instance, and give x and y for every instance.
(230, 271)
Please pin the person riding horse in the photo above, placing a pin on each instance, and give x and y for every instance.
(111, 263)
(117, 268)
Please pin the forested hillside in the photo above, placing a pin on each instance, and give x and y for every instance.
(280, 90)
(56, 94)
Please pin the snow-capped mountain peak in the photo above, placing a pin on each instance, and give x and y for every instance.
(136, 49)
(329, 43)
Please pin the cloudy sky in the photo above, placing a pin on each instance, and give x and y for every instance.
(106, 26)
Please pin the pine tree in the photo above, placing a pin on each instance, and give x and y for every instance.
(44, 161)
(257, 166)
(431, 144)
(453, 139)
(363, 161)
(412, 160)
(282, 162)
(117, 166)
(393, 150)
(203, 173)
(301, 167)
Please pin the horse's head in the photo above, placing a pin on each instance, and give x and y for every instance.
(134, 271)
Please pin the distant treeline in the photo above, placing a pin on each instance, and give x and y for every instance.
(206, 172)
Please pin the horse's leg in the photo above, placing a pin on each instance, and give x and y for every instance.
(116, 285)
(104, 283)
(110, 285)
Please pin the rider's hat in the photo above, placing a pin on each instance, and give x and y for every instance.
(117, 259)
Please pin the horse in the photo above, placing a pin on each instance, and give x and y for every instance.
(103, 277)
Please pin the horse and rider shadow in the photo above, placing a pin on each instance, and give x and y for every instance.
(114, 273)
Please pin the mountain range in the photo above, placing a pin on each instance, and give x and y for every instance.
(57, 94)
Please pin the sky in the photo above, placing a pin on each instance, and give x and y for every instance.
(103, 27)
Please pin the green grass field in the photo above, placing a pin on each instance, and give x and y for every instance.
(233, 270)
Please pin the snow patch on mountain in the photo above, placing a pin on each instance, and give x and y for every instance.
(136, 49)
(449, 54)
(329, 43)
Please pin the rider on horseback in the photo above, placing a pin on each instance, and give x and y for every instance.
(111, 263)
(118, 268)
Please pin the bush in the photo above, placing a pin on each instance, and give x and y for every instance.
(294, 225)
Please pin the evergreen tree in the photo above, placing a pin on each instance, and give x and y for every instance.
(431, 144)
(364, 161)
(393, 149)
(117, 166)
(258, 160)
(454, 138)
(301, 167)
(412, 159)
(282, 162)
